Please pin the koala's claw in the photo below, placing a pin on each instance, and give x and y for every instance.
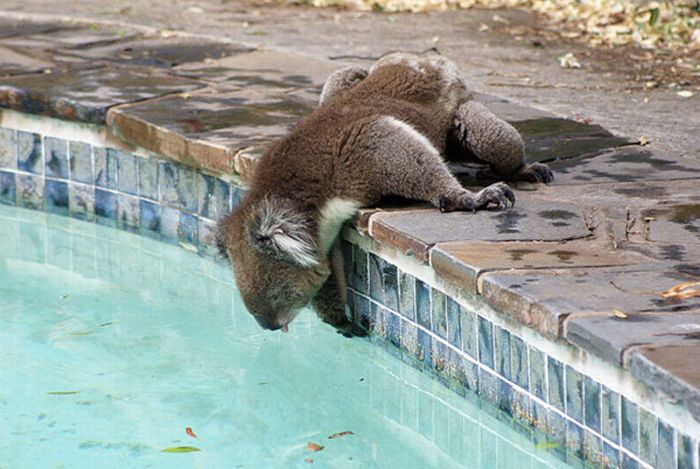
(536, 173)
(499, 194)
(350, 330)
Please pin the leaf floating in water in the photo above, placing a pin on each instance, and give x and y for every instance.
(180, 449)
(620, 314)
(63, 297)
(683, 291)
(308, 460)
(189, 431)
(62, 393)
(106, 323)
(339, 434)
(313, 447)
(547, 445)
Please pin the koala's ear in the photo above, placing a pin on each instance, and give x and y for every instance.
(278, 229)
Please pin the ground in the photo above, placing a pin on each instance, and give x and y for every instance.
(627, 90)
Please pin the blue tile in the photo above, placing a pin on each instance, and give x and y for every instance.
(502, 351)
(521, 408)
(8, 191)
(393, 332)
(538, 378)
(440, 359)
(574, 394)
(425, 348)
(648, 437)
(169, 223)
(82, 201)
(592, 449)
(106, 205)
(56, 156)
(57, 197)
(610, 416)
(629, 423)
(383, 282)
(377, 320)
(148, 177)
(439, 313)
(518, 361)
(505, 396)
(359, 280)
(409, 338)
(611, 455)
(8, 149)
(486, 342)
(187, 228)
(574, 440)
(665, 455)
(127, 172)
(685, 452)
(178, 186)
(592, 404)
(467, 373)
(488, 387)
(128, 212)
(214, 197)
(407, 295)
(470, 334)
(538, 413)
(628, 462)
(362, 311)
(556, 430)
(423, 304)
(30, 191)
(454, 322)
(29, 155)
(149, 217)
(555, 375)
(80, 158)
(237, 194)
(105, 164)
(207, 237)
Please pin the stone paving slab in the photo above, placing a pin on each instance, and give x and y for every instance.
(670, 369)
(627, 164)
(464, 261)
(69, 37)
(13, 62)
(265, 68)
(609, 336)
(509, 111)
(16, 27)
(207, 129)
(677, 224)
(543, 299)
(162, 52)
(86, 95)
(415, 232)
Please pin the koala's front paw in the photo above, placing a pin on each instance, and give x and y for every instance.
(535, 172)
(349, 330)
(498, 194)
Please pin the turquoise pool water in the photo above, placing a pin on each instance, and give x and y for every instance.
(113, 344)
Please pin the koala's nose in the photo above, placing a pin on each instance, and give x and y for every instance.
(267, 324)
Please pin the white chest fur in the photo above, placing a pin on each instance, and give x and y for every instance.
(333, 214)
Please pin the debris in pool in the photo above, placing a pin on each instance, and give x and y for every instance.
(313, 447)
(308, 460)
(362, 379)
(106, 323)
(339, 434)
(63, 297)
(180, 449)
(62, 393)
(683, 291)
(547, 445)
(189, 431)
(620, 314)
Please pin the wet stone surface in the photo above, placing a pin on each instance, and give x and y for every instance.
(543, 299)
(627, 164)
(677, 224)
(68, 37)
(416, 232)
(609, 335)
(15, 27)
(13, 62)
(209, 127)
(162, 52)
(85, 95)
(552, 139)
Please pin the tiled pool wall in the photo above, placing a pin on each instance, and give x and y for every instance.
(572, 413)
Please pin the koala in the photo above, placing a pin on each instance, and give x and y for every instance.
(376, 133)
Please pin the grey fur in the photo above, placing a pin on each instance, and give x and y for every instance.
(376, 133)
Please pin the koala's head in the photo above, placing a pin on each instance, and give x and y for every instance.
(275, 259)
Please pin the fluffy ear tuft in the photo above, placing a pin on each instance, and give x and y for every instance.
(278, 229)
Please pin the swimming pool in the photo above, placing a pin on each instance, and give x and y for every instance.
(117, 347)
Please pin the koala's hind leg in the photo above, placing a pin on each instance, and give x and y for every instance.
(329, 302)
(497, 143)
(407, 164)
(341, 80)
